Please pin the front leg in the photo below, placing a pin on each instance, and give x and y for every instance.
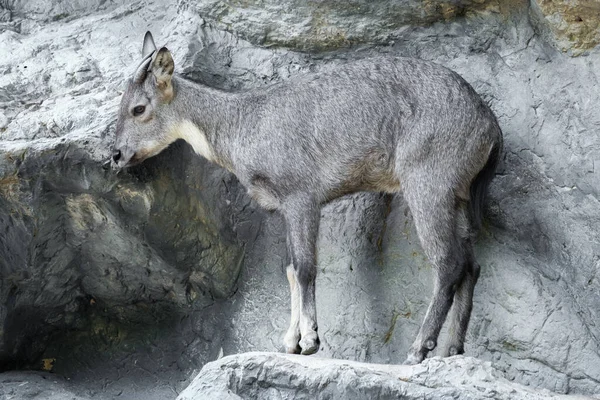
(292, 337)
(302, 220)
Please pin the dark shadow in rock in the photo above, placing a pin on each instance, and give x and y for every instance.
(139, 250)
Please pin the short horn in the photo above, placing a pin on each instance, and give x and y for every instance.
(142, 69)
(149, 47)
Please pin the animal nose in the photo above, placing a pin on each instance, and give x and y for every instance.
(116, 155)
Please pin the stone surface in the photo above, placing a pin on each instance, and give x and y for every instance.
(575, 25)
(131, 283)
(330, 24)
(35, 386)
(284, 376)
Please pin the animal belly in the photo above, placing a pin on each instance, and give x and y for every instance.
(376, 173)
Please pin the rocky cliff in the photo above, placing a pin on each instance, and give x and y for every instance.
(128, 284)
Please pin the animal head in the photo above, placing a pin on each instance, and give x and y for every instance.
(144, 114)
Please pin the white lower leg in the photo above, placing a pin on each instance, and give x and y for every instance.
(292, 337)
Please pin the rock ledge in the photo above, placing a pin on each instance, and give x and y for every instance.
(283, 376)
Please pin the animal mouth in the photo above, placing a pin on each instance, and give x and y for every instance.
(135, 159)
(145, 154)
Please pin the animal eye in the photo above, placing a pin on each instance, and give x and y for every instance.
(139, 110)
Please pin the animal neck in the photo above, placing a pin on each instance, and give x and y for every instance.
(205, 118)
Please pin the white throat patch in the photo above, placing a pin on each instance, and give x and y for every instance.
(189, 132)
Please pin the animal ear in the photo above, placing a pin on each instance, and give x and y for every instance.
(162, 67)
(149, 45)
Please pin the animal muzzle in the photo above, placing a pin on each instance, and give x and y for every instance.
(117, 160)
(116, 155)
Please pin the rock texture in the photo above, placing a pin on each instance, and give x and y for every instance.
(328, 25)
(575, 25)
(35, 386)
(132, 282)
(283, 376)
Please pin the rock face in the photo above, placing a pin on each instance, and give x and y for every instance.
(132, 282)
(283, 376)
(330, 25)
(575, 25)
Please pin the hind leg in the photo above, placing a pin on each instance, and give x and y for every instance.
(435, 216)
(463, 299)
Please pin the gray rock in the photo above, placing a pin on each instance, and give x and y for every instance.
(133, 282)
(571, 25)
(35, 386)
(283, 376)
(331, 25)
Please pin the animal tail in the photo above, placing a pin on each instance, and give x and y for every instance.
(480, 184)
